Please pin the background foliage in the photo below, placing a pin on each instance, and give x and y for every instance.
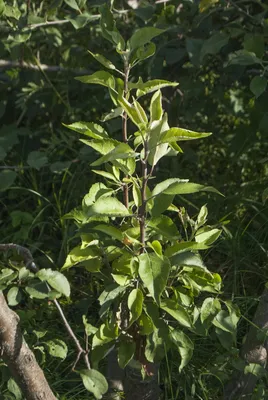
(217, 51)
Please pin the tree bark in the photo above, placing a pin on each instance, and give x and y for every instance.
(138, 389)
(254, 350)
(19, 358)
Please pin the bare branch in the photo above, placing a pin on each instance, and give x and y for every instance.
(30, 264)
(44, 67)
(48, 23)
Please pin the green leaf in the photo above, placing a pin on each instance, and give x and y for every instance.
(141, 113)
(179, 134)
(208, 237)
(55, 279)
(89, 329)
(156, 150)
(224, 321)
(243, 57)
(185, 346)
(94, 382)
(193, 47)
(157, 247)
(88, 128)
(108, 28)
(177, 312)
(126, 352)
(209, 309)
(150, 86)
(136, 195)
(82, 19)
(37, 159)
(157, 345)
(82, 257)
(73, 4)
(14, 296)
(206, 4)
(143, 36)
(254, 43)
(161, 203)
(131, 111)
(156, 110)
(142, 53)
(105, 334)
(135, 303)
(106, 175)
(202, 216)
(258, 85)
(110, 230)
(164, 225)
(214, 44)
(145, 323)
(2, 7)
(255, 369)
(174, 186)
(7, 178)
(14, 389)
(154, 272)
(122, 151)
(102, 60)
(57, 348)
(37, 290)
(102, 78)
(108, 206)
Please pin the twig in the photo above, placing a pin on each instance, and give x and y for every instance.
(30, 264)
(44, 67)
(23, 252)
(48, 23)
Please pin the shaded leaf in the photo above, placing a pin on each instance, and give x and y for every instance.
(185, 346)
(258, 85)
(126, 352)
(37, 159)
(7, 178)
(135, 303)
(143, 36)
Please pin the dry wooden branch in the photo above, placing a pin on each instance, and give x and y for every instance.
(14, 350)
(19, 358)
(44, 67)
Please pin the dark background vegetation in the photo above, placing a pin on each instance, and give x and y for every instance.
(217, 51)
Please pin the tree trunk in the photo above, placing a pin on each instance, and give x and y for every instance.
(254, 350)
(19, 358)
(138, 389)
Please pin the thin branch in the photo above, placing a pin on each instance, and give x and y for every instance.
(124, 124)
(23, 252)
(48, 23)
(30, 264)
(44, 67)
(142, 210)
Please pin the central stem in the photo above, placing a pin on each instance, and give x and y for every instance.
(142, 210)
(124, 124)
